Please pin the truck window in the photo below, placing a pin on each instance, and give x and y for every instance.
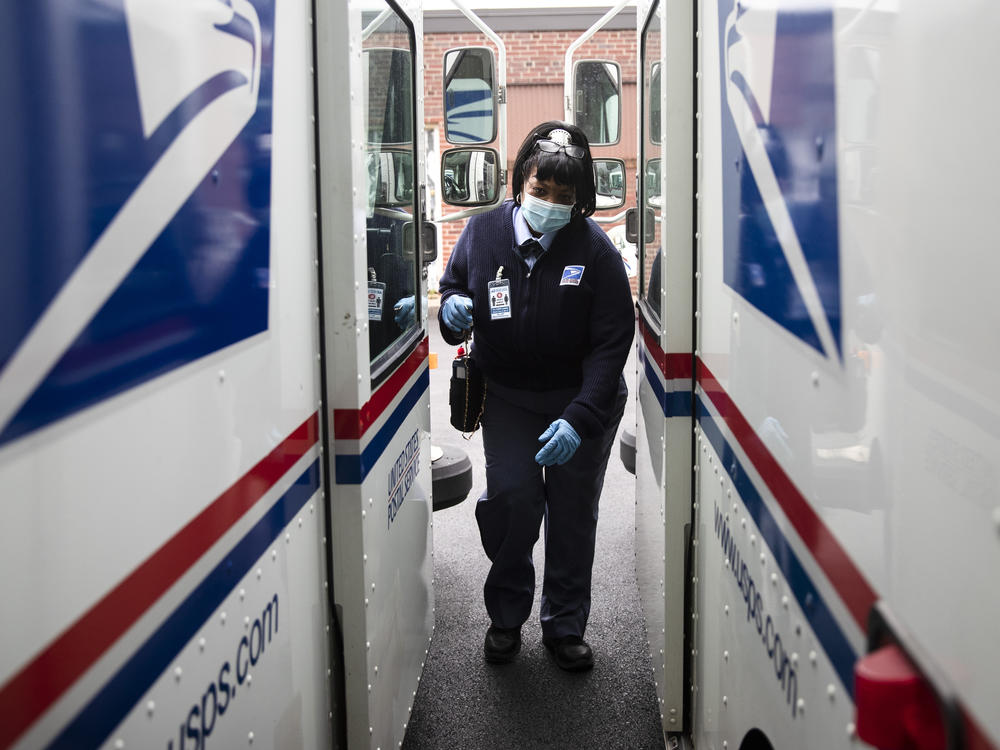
(651, 186)
(392, 270)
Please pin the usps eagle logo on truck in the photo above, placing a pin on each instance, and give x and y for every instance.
(780, 165)
(142, 171)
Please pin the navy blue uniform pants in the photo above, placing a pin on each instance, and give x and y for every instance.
(520, 494)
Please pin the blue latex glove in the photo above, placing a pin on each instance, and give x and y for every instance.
(457, 313)
(404, 312)
(562, 443)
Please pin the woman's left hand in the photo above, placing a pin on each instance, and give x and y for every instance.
(562, 443)
(404, 312)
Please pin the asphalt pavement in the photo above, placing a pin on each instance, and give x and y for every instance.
(463, 703)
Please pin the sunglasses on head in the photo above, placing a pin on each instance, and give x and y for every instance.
(577, 152)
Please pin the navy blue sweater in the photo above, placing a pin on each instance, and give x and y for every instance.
(559, 335)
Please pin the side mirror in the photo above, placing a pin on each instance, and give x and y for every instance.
(654, 104)
(609, 180)
(653, 184)
(389, 82)
(597, 101)
(470, 102)
(391, 173)
(470, 176)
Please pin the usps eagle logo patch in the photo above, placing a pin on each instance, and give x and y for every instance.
(571, 276)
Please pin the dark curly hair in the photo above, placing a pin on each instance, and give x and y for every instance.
(559, 166)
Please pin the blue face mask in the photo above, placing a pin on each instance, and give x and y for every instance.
(543, 216)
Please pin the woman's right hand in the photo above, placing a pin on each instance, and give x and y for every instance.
(457, 313)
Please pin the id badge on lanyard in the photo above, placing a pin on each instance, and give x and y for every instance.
(499, 298)
(376, 299)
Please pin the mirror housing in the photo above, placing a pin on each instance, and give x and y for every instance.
(391, 170)
(470, 176)
(470, 101)
(654, 104)
(653, 184)
(597, 101)
(609, 181)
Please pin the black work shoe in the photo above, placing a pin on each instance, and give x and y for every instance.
(502, 644)
(571, 652)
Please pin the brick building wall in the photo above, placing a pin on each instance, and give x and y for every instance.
(535, 61)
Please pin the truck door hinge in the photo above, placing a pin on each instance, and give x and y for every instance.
(502, 95)
(503, 178)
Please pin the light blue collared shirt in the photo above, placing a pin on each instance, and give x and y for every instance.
(522, 234)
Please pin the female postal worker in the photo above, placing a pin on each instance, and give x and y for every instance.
(547, 295)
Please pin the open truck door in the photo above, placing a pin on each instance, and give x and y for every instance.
(375, 359)
(663, 440)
